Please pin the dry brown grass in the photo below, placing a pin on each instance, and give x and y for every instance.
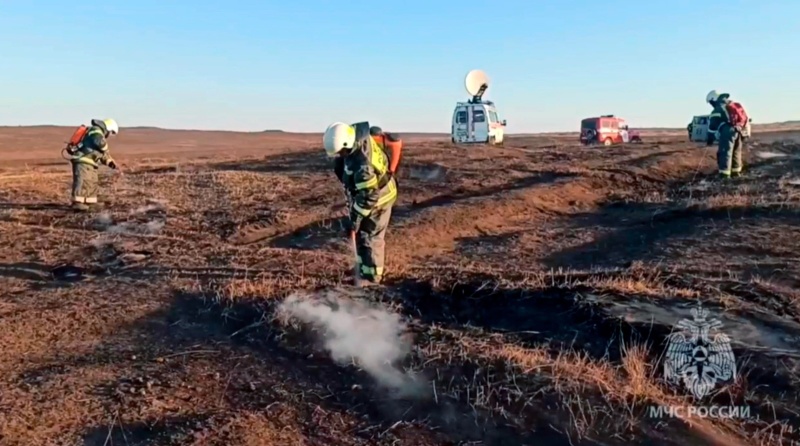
(241, 232)
(629, 386)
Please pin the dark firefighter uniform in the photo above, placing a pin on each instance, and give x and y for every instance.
(86, 161)
(729, 150)
(372, 190)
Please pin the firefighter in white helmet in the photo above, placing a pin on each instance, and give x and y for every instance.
(729, 121)
(363, 168)
(86, 157)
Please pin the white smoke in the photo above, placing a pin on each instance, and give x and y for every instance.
(153, 205)
(104, 219)
(769, 155)
(354, 331)
(99, 242)
(152, 227)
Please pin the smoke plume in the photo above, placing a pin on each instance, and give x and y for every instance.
(353, 330)
(151, 227)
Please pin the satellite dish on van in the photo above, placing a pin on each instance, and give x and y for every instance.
(476, 83)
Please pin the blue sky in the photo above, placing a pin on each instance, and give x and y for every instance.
(255, 65)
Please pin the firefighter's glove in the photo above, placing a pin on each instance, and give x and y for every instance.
(351, 226)
(112, 165)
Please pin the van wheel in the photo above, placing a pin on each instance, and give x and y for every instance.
(607, 142)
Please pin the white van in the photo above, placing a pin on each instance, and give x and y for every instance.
(699, 130)
(476, 121)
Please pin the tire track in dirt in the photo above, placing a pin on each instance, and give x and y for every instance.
(547, 195)
(435, 231)
(315, 230)
(694, 218)
(432, 225)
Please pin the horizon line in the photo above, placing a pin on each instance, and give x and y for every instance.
(150, 127)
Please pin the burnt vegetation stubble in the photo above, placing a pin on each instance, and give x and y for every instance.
(185, 346)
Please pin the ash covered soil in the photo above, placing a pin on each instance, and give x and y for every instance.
(536, 285)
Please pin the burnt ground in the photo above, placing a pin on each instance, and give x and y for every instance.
(539, 283)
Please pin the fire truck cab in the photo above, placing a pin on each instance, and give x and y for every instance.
(607, 130)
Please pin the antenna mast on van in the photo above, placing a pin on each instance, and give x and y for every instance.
(476, 82)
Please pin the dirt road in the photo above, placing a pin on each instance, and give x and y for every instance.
(538, 283)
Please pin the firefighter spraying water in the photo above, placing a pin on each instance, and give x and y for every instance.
(87, 149)
(368, 177)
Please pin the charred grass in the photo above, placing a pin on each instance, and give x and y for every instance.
(540, 318)
(541, 354)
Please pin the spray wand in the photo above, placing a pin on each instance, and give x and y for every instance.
(353, 247)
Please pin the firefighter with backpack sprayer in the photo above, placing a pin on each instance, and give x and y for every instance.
(87, 150)
(391, 143)
(729, 120)
(367, 174)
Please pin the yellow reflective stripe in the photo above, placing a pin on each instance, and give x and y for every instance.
(391, 195)
(378, 158)
(725, 172)
(372, 271)
(360, 210)
(86, 160)
(369, 184)
(736, 170)
(99, 132)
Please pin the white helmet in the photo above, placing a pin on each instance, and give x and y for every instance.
(111, 126)
(338, 136)
(712, 96)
